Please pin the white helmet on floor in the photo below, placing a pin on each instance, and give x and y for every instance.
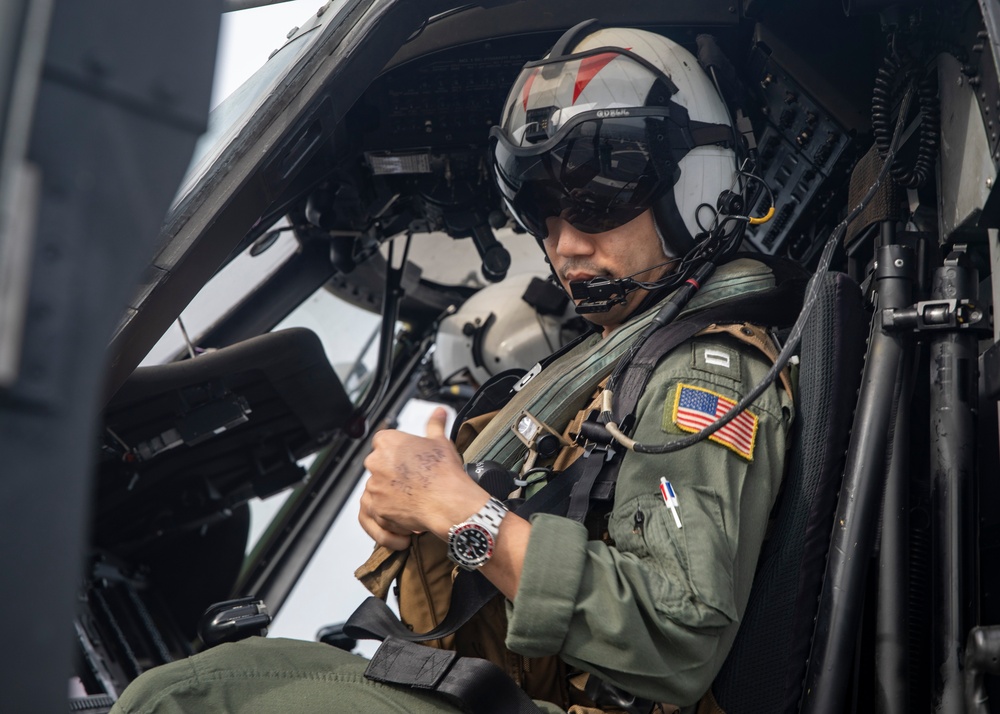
(499, 329)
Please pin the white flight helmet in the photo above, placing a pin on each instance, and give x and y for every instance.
(496, 330)
(611, 123)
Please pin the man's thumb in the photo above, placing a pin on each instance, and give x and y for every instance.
(437, 422)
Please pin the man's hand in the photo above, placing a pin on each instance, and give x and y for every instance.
(417, 484)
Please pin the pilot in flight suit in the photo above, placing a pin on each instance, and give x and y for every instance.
(649, 599)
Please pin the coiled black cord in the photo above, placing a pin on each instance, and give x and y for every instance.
(894, 76)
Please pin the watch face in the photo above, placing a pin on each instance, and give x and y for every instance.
(471, 544)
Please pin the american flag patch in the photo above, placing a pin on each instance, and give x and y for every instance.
(695, 408)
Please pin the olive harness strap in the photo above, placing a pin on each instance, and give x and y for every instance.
(470, 683)
(567, 494)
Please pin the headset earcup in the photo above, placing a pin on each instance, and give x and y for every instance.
(674, 235)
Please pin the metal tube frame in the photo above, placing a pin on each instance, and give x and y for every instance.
(891, 653)
(953, 395)
(842, 600)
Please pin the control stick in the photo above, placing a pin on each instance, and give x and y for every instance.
(233, 620)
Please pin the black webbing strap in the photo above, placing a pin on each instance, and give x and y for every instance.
(640, 369)
(603, 462)
(373, 620)
(470, 683)
(592, 460)
(703, 134)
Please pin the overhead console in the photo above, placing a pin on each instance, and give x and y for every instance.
(447, 100)
(417, 158)
(417, 153)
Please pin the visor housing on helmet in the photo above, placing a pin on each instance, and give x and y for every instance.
(600, 172)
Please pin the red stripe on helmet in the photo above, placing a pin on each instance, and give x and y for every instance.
(589, 67)
(527, 87)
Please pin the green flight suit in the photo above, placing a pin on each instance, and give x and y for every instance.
(655, 613)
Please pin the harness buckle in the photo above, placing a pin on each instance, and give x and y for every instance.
(607, 451)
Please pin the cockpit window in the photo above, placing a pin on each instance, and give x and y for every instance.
(227, 288)
(232, 115)
(348, 333)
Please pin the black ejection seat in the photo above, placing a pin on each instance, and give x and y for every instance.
(765, 670)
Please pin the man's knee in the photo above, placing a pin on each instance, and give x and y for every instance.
(144, 693)
(220, 679)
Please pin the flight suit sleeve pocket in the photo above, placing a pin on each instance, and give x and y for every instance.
(709, 552)
(693, 563)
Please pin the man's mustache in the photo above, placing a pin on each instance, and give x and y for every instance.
(585, 266)
(582, 266)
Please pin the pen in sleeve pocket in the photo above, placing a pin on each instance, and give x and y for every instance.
(670, 498)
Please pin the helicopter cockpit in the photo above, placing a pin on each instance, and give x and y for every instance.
(350, 176)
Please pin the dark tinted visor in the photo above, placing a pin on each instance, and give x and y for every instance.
(598, 173)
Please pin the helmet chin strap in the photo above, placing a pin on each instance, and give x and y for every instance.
(600, 294)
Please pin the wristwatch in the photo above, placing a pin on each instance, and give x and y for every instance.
(472, 542)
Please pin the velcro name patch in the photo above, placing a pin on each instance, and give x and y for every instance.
(695, 408)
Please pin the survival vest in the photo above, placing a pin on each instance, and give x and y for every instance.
(586, 485)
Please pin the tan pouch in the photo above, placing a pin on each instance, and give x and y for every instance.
(470, 429)
(425, 587)
(381, 568)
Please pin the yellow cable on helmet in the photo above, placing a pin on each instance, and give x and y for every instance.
(763, 219)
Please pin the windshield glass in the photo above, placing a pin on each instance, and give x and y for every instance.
(348, 333)
(228, 119)
(234, 283)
